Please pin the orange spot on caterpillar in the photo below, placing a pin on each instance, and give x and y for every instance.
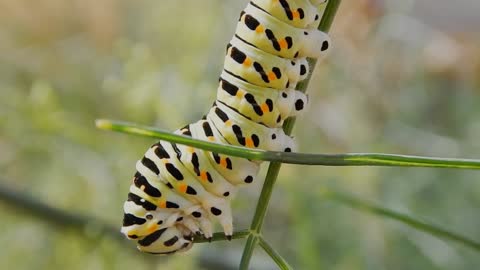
(223, 162)
(203, 175)
(283, 44)
(162, 204)
(182, 188)
(264, 108)
(151, 228)
(259, 29)
(272, 76)
(295, 14)
(247, 62)
(249, 142)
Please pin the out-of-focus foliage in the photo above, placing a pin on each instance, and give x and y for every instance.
(397, 81)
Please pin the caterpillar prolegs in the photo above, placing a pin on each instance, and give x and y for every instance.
(179, 191)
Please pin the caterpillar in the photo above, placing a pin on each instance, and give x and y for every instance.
(179, 192)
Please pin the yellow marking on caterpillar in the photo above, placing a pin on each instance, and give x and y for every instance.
(164, 160)
(240, 94)
(190, 149)
(228, 123)
(259, 29)
(203, 175)
(249, 142)
(182, 188)
(272, 76)
(142, 187)
(211, 138)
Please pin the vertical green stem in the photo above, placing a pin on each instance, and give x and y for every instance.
(274, 168)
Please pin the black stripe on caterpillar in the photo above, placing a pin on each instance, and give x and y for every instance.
(179, 191)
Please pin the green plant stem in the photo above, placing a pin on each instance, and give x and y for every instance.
(220, 236)
(279, 260)
(274, 168)
(349, 159)
(416, 223)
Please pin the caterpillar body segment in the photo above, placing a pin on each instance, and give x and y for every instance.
(138, 222)
(167, 241)
(298, 13)
(263, 105)
(238, 130)
(264, 31)
(178, 191)
(197, 162)
(237, 171)
(262, 68)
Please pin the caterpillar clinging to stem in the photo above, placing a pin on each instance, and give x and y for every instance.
(179, 191)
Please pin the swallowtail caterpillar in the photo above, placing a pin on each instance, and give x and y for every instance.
(179, 191)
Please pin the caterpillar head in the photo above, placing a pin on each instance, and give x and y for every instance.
(167, 241)
(138, 222)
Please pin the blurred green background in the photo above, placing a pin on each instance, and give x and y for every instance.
(403, 77)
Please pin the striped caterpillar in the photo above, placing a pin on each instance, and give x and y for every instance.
(179, 191)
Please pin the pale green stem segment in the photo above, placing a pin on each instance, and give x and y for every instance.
(279, 260)
(349, 159)
(366, 206)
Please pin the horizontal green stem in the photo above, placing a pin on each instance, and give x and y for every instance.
(426, 227)
(349, 159)
(220, 236)
(279, 260)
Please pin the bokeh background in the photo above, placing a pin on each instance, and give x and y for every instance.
(403, 77)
